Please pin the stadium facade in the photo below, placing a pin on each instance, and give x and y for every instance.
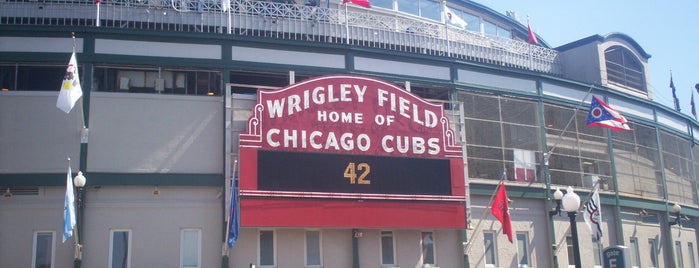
(351, 136)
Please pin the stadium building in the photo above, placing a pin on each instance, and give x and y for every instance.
(343, 136)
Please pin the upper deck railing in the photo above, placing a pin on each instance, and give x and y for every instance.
(375, 27)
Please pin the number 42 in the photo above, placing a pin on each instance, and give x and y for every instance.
(357, 173)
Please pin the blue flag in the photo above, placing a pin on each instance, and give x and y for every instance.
(68, 208)
(233, 215)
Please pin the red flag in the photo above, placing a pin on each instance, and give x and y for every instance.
(501, 211)
(532, 37)
(364, 3)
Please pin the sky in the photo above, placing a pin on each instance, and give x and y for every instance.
(667, 30)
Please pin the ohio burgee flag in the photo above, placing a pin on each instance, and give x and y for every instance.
(603, 115)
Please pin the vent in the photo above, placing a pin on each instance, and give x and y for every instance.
(19, 190)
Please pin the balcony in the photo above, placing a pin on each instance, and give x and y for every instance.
(372, 28)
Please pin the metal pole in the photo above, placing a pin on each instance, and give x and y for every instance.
(574, 233)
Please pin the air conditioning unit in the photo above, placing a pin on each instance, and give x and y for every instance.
(589, 180)
(159, 85)
(124, 83)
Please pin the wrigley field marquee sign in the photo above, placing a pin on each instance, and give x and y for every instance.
(344, 138)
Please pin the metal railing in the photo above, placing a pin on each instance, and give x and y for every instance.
(374, 27)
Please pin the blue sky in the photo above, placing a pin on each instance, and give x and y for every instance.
(667, 30)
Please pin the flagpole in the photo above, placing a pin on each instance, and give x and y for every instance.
(228, 219)
(547, 155)
(229, 19)
(485, 210)
(346, 25)
(446, 28)
(82, 109)
(97, 20)
(76, 243)
(529, 45)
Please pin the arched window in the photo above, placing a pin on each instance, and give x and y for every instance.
(624, 68)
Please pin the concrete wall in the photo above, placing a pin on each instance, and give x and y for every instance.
(129, 133)
(528, 216)
(583, 64)
(35, 136)
(144, 133)
(155, 222)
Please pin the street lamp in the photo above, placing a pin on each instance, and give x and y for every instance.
(571, 204)
(557, 196)
(676, 208)
(79, 182)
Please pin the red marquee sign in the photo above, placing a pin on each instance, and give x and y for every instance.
(354, 146)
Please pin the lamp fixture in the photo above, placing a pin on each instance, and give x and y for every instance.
(643, 212)
(676, 208)
(79, 180)
(571, 201)
(557, 196)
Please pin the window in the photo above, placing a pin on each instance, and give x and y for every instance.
(313, 248)
(387, 254)
(43, 249)
(157, 80)
(493, 30)
(692, 262)
(571, 253)
(120, 249)
(427, 244)
(678, 255)
(490, 249)
(581, 151)
(653, 250)
(523, 250)
(677, 161)
(382, 3)
(503, 133)
(431, 9)
(190, 248)
(623, 68)
(635, 258)
(409, 6)
(637, 161)
(267, 248)
(596, 252)
(23, 77)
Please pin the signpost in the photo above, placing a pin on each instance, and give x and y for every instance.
(616, 257)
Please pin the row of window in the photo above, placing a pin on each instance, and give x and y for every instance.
(491, 252)
(190, 248)
(119, 249)
(432, 9)
(491, 249)
(130, 80)
(503, 133)
(313, 249)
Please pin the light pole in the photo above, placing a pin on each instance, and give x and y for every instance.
(79, 182)
(571, 204)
